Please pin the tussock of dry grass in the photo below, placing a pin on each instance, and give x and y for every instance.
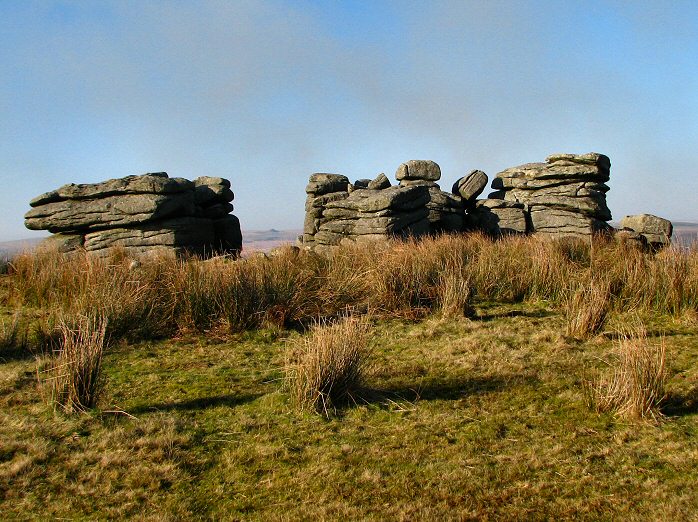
(587, 309)
(73, 375)
(634, 388)
(10, 332)
(328, 367)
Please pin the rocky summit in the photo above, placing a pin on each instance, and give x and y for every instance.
(141, 214)
(562, 197)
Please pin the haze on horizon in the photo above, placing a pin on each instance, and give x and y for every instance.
(265, 93)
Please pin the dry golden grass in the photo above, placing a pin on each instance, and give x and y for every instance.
(328, 367)
(634, 387)
(10, 332)
(587, 309)
(73, 374)
(161, 297)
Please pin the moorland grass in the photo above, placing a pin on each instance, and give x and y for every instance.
(476, 407)
(481, 418)
(163, 296)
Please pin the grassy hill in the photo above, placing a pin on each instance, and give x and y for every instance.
(479, 398)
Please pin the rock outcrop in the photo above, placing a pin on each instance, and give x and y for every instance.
(563, 197)
(139, 214)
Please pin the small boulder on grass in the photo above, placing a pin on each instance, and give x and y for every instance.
(327, 368)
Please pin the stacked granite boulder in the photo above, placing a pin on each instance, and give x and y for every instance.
(141, 214)
(338, 211)
(321, 190)
(446, 211)
(563, 197)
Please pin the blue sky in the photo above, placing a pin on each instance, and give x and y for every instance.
(265, 93)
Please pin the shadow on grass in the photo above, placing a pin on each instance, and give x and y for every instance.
(201, 403)
(451, 388)
(532, 314)
(680, 405)
(12, 354)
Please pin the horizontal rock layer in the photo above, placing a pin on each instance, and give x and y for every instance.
(140, 213)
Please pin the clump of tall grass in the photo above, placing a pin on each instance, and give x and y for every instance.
(73, 376)
(634, 387)
(587, 308)
(12, 337)
(327, 368)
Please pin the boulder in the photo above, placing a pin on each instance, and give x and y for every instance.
(211, 191)
(397, 198)
(564, 223)
(379, 183)
(227, 235)
(418, 169)
(469, 187)
(321, 183)
(565, 196)
(656, 230)
(141, 213)
(190, 233)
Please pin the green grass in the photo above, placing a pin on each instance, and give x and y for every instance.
(465, 419)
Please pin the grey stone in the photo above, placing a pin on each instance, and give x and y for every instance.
(656, 230)
(153, 183)
(217, 211)
(398, 198)
(563, 223)
(588, 202)
(380, 182)
(209, 190)
(321, 201)
(227, 235)
(590, 158)
(109, 212)
(187, 232)
(418, 169)
(374, 225)
(469, 187)
(361, 183)
(629, 236)
(321, 183)
(497, 217)
(419, 183)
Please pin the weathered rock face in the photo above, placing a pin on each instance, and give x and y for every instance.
(657, 231)
(141, 213)
(497, 217)
(565, 196)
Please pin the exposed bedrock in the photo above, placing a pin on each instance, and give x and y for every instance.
(141, 213)
(565, 196)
